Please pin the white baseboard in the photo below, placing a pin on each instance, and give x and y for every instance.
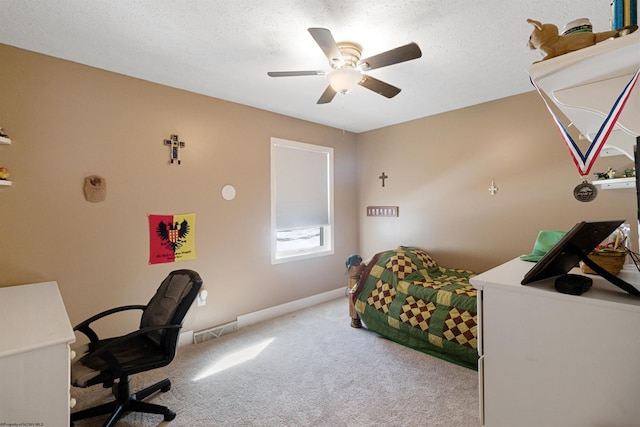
(280, 310)
(185, 338)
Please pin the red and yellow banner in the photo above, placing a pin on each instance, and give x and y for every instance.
(171, 238)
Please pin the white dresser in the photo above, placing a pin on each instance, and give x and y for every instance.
(34, 356)
(550, 359)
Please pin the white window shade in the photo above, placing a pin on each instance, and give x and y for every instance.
(301, 184)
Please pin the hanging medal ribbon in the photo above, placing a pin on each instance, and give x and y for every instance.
(585, 161)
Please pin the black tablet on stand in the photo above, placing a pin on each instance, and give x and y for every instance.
(575, 246)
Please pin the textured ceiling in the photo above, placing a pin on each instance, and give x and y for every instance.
(472, 51)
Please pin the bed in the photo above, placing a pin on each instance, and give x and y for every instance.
(405, 296)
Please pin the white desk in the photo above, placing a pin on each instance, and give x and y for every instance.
(34, 356)
(550, 359)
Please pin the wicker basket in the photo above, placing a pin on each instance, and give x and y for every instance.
(611, 260)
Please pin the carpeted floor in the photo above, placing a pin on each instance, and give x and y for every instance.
(307, 368)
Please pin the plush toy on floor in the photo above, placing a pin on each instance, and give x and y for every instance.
(546, 38)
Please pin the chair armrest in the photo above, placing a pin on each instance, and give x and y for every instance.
(105, 353)
(85, 327)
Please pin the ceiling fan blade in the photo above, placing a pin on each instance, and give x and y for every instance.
(379, 87)
(394, 56)
(327, 95)
(295, 73)
(327, 43)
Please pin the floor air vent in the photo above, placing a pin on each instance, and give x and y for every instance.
(215, 332)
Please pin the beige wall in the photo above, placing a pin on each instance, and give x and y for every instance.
(68, 121)
(440, 169)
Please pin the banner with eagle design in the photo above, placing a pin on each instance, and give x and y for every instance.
(171, 238)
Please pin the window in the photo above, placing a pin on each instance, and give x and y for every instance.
(301, 200)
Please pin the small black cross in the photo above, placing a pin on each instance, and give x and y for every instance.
(383, 177)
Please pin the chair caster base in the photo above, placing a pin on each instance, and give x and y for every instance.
(169, 415)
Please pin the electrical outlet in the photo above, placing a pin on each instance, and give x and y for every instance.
(202, 298)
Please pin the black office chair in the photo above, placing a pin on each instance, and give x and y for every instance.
(111, 361)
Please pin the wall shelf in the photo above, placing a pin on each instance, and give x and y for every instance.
(584, 84)
(5, 140)
(615, 183)
(619, 144)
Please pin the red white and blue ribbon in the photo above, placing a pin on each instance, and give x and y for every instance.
(584, 161)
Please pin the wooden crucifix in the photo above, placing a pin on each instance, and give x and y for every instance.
(383, 177)
(176, 145)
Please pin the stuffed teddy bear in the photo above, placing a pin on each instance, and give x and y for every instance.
(546, 38)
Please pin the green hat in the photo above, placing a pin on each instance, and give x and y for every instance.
(544, 242)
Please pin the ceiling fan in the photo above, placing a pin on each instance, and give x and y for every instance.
(347, 69)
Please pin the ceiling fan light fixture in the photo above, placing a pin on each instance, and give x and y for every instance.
(348, 70)
(343, 80)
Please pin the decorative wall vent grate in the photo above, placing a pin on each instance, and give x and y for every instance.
(215, 332)
(382, 211)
